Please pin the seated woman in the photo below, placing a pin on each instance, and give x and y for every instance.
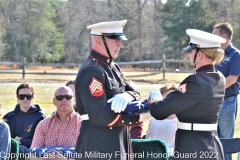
(164, 129)
(24, 118)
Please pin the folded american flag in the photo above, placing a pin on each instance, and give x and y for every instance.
(67, 152)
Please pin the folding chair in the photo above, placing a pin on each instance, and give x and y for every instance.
(231, 145)
(149, 149)
(14, 149)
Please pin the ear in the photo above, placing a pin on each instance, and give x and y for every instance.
(224, 35)
(200, 54)
(99, 40)
(74, 102)
(53, 101)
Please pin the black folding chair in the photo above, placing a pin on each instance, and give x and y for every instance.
(149, 149)
(230, 145)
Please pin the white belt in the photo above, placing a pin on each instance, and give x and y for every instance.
(85, 117)
(197, 126)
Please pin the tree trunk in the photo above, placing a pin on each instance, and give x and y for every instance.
(139, 26)
(154, 30)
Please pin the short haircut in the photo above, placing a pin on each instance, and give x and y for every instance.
(225, 28)
(167, 87)
(24, 85)
(70, 82)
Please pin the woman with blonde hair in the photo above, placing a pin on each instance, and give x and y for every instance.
(197, 101)
(5, 138)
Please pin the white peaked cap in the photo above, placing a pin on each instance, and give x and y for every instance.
(203, 39)
(112, 27)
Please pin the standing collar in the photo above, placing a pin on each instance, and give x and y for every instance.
(205, 68)
(100, 57)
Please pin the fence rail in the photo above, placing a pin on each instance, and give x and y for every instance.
(23, 65)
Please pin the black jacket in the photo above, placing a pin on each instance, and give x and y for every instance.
(23, 124)
(197, 100)
(98, 80)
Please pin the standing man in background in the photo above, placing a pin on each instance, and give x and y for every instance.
(100, 79)
(230, 68)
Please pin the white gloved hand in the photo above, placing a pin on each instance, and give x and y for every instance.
(120, 101)
(155, 95)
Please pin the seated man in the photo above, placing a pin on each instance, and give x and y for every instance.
(62, 128)
(24, 118)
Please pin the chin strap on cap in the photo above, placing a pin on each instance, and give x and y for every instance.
(195, 56)
(106, 47)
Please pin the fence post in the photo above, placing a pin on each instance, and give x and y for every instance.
(164, 66)
(24, 66)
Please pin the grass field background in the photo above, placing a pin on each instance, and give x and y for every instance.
(45, 85)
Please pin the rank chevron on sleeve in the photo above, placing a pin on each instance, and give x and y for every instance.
(96, 87)
(183, 88)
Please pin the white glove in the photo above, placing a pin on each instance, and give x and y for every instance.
(120, 102)
(155, 95)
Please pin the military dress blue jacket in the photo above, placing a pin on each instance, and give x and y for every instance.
(23, 124)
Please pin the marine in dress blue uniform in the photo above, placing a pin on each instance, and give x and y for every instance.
(197, 102)
(99, 79)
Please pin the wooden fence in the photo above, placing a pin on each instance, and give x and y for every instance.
(142, 64)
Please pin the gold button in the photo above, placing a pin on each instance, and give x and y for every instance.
(130, 122)
(136, 122)
(110, 127)
(122, 121)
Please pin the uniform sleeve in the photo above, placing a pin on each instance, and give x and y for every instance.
(91, 90)
(188, 94)
(39, 136)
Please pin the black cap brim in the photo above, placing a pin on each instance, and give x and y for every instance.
(115, 36)
(191, 46)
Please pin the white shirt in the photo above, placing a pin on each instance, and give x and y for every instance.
(163, 130)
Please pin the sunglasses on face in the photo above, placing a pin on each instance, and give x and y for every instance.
(22, 96)
(60, 97)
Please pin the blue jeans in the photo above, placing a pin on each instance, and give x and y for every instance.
(226, 121)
